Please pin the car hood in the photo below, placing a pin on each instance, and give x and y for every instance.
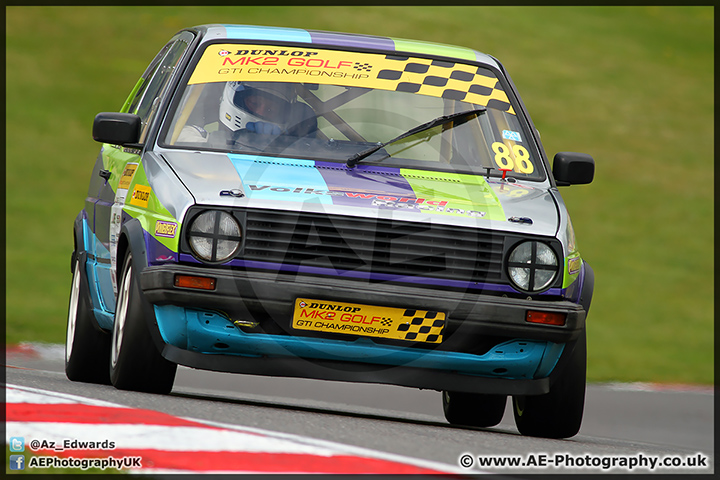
(255, 181)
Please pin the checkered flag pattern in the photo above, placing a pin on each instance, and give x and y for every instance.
(363, 67)
(455, 81)
(422, 326)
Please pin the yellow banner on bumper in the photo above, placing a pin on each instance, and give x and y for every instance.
(368, 320)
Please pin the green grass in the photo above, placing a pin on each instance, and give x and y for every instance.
(632, 86)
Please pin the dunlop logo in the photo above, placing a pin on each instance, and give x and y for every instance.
(140, 196)
(127, 176)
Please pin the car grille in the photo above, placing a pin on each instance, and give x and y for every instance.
(376, 246)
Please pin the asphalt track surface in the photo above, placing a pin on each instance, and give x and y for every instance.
(630, 421)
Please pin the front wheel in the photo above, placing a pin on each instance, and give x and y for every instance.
(87, 349)
(473, 409)
(135, 363)
(558, 413)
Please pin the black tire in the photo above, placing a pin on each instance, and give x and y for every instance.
(87, 348)
(473, 409)
(558, 413)
(135, 363)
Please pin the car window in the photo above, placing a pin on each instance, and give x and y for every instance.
(335, 104)
(156, 79)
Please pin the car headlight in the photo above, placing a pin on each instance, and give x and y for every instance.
(532, 266)
(214, 236)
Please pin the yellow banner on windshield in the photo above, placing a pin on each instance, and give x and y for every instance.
(423, 76)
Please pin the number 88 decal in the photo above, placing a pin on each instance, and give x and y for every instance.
(505, 162)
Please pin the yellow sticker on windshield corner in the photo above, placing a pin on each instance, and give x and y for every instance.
(368, 320)
(140, 196)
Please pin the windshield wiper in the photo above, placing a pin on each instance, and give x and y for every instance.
(463, 116)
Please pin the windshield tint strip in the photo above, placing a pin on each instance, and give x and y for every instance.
(426, 48)
(249, 32)
(352, 41)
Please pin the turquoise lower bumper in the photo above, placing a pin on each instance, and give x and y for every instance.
(210, 333)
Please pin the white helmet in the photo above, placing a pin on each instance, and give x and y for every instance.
(247, 102)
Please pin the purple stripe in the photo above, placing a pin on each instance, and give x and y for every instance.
(387, 277)
(364, 181)
(352, 41)
(156, 252)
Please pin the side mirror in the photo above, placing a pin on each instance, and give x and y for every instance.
(116, 128)
(570, 168)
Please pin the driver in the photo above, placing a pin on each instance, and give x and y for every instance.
(266, 108)
(259, 107)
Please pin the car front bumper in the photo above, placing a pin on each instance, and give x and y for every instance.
(197, 328)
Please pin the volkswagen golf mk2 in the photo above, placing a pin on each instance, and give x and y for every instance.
(300, 203)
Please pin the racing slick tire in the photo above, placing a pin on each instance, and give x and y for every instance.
(473, 409)
(87, 348)
(558, 413)
(135, 363)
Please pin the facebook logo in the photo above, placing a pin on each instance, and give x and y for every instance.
(17, 462)
(17, 444)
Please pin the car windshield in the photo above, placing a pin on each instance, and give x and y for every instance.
(331, 105)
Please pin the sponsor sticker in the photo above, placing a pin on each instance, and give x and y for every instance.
(415, 204)
(140, 196)
(368, 320)
(165, 229)
(574, 265)
(127, 176)
(511, 135)
(424, 76)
